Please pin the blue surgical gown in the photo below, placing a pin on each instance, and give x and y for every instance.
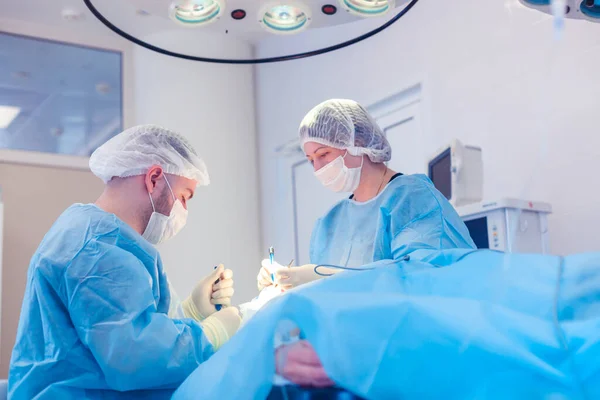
(94, 318)
(409, 217)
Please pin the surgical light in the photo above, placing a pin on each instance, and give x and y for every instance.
(574, 9)
(195, 13)
(230, 18)
(284, 18)
(367, 8)
(7, 115)
(591, 9)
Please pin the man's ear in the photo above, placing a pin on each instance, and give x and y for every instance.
(154, 174)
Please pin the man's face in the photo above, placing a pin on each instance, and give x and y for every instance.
(164, 189)
(155, 182)
(182, 189)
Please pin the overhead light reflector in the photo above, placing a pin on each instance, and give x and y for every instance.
(285, 18)
(196, 12)
(367, 8)
(7, 115)
(591, 9)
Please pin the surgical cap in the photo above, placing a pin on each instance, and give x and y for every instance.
(345, 125)
(135, 150)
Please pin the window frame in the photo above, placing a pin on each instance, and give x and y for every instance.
(84, 40)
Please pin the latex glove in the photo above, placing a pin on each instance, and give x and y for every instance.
(288, 278)
(201, 303)
(300, 364)
(265, 275)
(221, 326)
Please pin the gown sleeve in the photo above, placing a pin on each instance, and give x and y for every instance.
(113, 303)
(420, 224)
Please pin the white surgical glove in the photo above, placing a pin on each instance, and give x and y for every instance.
(288, 278)
(221, 326)
(266, 274)
(201, 303)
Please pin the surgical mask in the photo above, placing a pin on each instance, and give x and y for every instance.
(162, 227)
(338, 177)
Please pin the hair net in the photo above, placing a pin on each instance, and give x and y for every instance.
(136, 149)
(346, 125)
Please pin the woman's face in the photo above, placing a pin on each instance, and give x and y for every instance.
(320, 155)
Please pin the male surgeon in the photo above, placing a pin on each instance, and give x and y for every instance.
(95, 319)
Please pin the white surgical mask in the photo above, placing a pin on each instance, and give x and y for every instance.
(338, 177)
(161, 227)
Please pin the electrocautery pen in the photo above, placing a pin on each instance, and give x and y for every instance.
(271, 257)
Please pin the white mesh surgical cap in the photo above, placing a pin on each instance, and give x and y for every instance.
(135, 150)
(345, 125)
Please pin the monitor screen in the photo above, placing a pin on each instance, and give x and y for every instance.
(440, 173)
(478, 228)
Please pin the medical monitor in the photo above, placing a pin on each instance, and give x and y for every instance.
(457, 172)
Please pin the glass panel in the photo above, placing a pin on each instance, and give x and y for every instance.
(57, 97)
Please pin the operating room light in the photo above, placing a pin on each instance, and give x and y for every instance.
(539, 2)
(367, 8)
(284, 19)
(575, 9)
(196, 12)
(230, 19)
(7, 115)
(591, 9)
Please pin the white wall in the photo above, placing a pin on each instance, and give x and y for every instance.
(492, 76)
(212, 105)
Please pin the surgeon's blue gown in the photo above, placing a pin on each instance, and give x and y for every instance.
(409, 217)
(94, 321)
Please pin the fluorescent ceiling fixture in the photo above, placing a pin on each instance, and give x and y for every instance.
(7, 115)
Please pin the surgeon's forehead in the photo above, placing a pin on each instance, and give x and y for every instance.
(312, 147)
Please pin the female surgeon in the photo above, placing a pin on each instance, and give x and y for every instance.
(388, 217)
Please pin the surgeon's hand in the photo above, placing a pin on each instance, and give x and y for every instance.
(289, 278)
(285, 277)
(221, 326)
(201, 303)
(300, 364)
(266, 273)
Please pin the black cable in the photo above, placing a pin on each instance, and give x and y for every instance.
(290, 57)
(315, 269)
